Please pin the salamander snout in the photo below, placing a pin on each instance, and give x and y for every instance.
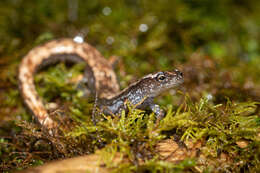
(179, 73)
(179, 76)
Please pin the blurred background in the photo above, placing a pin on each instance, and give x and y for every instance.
(146, 35)
(215, 43)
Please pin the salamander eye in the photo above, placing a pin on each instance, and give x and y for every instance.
(161, 77)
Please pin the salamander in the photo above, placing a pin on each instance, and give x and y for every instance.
(100, 76)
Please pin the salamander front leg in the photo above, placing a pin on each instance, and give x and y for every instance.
(158, 111)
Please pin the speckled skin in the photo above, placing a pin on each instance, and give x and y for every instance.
(101, 79)
(142, 93)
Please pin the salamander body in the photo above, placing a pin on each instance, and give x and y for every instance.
(101, 80)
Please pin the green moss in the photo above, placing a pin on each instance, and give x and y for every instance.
(220, 126)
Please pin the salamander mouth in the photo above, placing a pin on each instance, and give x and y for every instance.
(180, 79)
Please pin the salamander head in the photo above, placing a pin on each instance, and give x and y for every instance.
(154, 84)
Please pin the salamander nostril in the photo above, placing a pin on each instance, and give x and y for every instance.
(178, 73)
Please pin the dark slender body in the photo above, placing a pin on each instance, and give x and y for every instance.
(142, 93)
(100, 76)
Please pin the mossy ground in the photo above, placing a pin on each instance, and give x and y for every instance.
(215, 44)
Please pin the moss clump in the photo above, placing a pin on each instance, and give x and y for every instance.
(220, 128)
